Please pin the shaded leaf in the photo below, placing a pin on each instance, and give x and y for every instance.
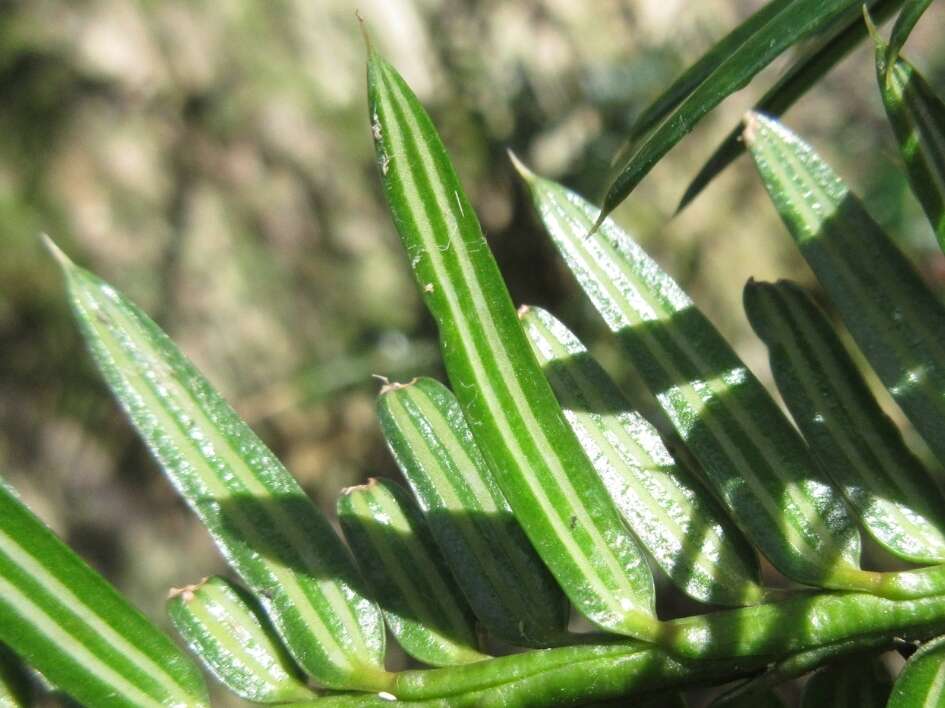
(917, 116)
(803, 75)
(752, 457)
(796, 21)
(910, 15)
(508, 587)
(676, 520)
(854, 683)
(547, 479)
(66, 621)
(264, 524)
(853, 439)
(424, 608)
(227, 631)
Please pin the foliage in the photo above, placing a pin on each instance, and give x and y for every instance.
(534, 482)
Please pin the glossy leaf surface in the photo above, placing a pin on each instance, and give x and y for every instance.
(917, 116)
(922, 680)
(910, 15)
(853, 439)
(803, 75)
(796, 21)
(547, 479)
(425, 610)
(264, 524)
(895, 319)
(227, 631)
(508, 587)
(752, 456)
(672, 514)
(66, 621)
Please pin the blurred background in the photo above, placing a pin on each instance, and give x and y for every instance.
(213, 160)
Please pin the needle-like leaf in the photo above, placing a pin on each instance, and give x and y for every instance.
(508, 587)
(855, 442)
(262, 521)
(14, 683)
(895, 319)
(803, 75)
(66, 621)
(917, 116)
(753, 458)
(424, 608)
(226, 630)
(672, 514)
(550, 484)
(794, 22)
(907, 20)
(922, 680)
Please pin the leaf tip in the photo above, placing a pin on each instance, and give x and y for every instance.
(61, 258)
(387, 385)
(524, 172)
(750, 126)
(523, 311)
(186, 592)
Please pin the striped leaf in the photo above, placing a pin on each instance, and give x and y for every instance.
(508, 587)
(854, 683)
(891, 313)
(424, 608)
(795, 22)
(921, 683)
(751, 455)
(550, 484)
(66, 621)
(917, 116)
(663, 105)
(910, 15)
(672, 514)
(226, 630)
(803, 75)
(264, 524)
(849, 434)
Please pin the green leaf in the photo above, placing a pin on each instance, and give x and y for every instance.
(677, 92)
(913, 10)
(264, 524)
(753, 459)
(853, 439)
(796, 21)
(672, 514)
(508, 587)
(803, 75)
(917, 116)
(66, 621)
(227, 631)
(550, 484)
(854, 683)
(425, 610)
(922, 680)
(893, 316)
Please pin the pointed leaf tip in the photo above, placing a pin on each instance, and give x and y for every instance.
(61, 258)
(523, 170)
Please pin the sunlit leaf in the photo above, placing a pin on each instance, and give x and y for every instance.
(66, 621)
(550, 484)
(670, 511)
(227, 631)
(508, 587)
(922, 680)
(264, 524)
(855, 442)
(753, 458)
(425, 610)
